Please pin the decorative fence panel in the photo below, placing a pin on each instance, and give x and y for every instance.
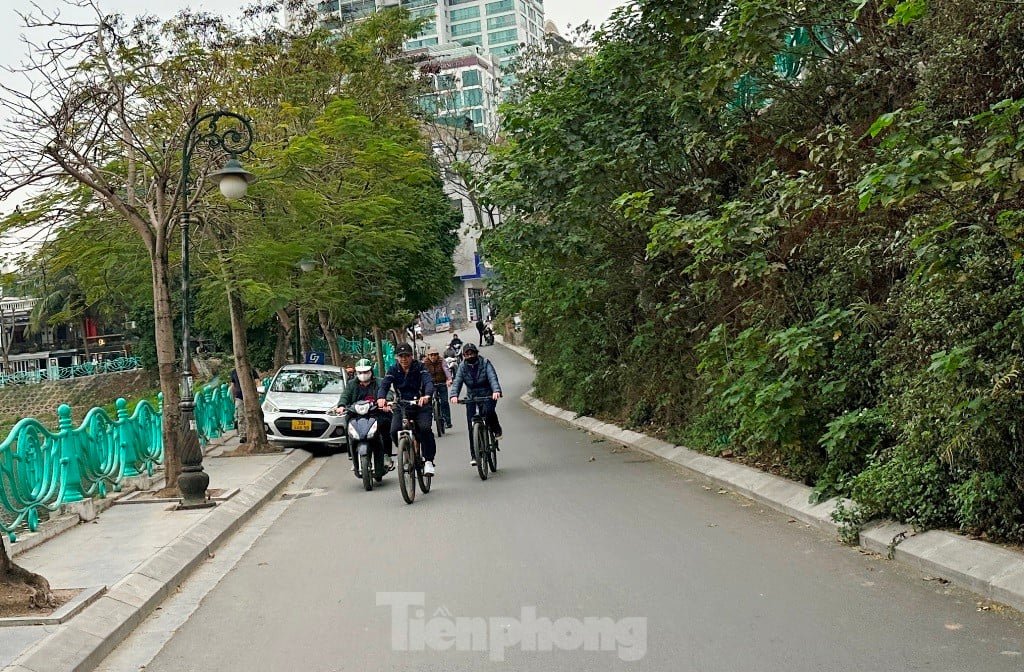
(68, 372)
(42, 469)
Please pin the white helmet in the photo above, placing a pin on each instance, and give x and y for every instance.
(364, 370)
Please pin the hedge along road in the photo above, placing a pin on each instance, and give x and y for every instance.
(563, 562)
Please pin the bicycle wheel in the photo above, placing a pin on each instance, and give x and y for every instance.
(492, 454)
(480, 447)
(366, 466)
(406, 467)
(423, 478)
(438, 420)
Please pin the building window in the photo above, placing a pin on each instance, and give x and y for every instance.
(416, 44)
(505, 50)
(453, 3)
(501, 21)
(470, 41)
(473, 97)
(499, 7)
(460, 29)
(502, 36)
(445, 82)
(465, 13)
(471, 78)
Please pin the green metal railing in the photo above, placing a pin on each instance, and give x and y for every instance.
(215, 412)
(67, 372)
(41, 469)
(365, 348)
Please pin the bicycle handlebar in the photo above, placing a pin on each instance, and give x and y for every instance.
(476, 400)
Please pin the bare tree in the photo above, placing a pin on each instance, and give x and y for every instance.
(96, 117)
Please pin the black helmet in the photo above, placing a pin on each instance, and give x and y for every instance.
(469, 347)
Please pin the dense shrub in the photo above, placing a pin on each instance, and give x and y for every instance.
(820, 273)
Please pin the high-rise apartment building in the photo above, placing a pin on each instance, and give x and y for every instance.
(463, 52)
(498, 26)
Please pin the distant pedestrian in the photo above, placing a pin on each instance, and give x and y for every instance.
(241, 424)
(481, 328)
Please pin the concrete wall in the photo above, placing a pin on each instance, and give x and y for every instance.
(40, 400)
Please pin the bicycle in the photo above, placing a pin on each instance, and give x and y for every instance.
(438, 416)
(410, 459)
(483, 444)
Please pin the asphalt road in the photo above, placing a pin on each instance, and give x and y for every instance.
(563, 562)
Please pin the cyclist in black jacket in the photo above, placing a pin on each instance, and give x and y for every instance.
(412, 382)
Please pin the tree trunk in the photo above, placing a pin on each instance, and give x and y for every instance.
(170, 380)
(284, 339)
(303, 337)
(378, 346)
(11, 574)
(257, 437)
(331, 336)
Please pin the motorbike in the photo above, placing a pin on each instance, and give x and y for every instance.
(488, 336)
(452, 362)
(365, 446)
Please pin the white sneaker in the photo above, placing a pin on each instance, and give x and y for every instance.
(472, 463)
(428, 468)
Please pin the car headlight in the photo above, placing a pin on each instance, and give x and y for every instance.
(270, 408)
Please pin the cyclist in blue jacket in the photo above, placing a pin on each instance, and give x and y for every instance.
(481, 380)
(412, 382)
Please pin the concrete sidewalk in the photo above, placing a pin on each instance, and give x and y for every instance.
(993, 571)
(140, 552)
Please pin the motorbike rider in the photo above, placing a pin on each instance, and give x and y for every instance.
(412, 382)
(455, 344)
(480, 379)
(442, 377)
(364, 387)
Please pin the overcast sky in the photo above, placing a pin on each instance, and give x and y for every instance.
(562, 12)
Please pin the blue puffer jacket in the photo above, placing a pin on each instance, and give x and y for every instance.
(480, 378)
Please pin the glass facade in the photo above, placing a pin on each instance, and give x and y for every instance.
(463, 14)
(500, 6)
(502, 21)
(502, 36)
(459, 29)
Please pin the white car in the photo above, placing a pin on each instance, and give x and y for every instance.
(299, 406)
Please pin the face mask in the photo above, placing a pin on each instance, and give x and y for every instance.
(470, 360)
(364, 376)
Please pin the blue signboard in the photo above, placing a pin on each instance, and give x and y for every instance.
(316, 358)
(442, 323)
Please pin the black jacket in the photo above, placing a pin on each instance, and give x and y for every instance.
(408, 386)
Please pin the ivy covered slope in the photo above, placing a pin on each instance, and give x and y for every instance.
(790, 230)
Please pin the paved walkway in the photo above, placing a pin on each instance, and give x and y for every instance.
(139, 552)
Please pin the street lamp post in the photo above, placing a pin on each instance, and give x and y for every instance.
(232, 180)
(305, 265)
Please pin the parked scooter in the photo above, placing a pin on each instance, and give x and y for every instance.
(365, 446)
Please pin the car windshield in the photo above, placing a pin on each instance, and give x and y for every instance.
(311, 382)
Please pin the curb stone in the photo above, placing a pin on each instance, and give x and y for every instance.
(82, 644)
(989, 570)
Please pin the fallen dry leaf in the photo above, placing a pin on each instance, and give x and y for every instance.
(954, 626)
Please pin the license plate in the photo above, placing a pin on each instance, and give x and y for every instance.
(302, 425)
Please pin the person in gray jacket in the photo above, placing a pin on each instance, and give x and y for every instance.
(481, 380)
